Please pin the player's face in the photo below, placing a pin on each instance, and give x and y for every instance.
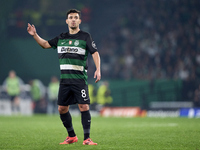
(73, 20)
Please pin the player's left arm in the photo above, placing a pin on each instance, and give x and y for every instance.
(97, 62)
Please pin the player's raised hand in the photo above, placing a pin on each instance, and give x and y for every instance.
(97, 75)
(31, 29)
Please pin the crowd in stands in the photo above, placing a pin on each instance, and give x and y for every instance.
(148, 40)
(154, 40)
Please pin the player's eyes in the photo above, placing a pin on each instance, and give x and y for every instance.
(72, 17)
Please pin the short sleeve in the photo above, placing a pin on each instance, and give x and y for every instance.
(90, 45)
(53, 42)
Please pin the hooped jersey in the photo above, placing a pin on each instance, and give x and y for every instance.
(73, 51)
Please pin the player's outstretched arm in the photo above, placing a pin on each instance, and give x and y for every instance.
(32, 31)
(97, 61)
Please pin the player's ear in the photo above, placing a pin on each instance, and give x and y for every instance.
(66, 21)
(79, 21)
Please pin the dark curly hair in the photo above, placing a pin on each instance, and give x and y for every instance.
(73, 11)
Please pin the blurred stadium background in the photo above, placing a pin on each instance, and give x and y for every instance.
(150, 49)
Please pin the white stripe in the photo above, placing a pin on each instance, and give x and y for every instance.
(71, 67)
(66, 49)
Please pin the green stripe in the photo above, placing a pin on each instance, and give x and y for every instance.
(85, 57)
(85, 76)
(72, 76)
(72, 61)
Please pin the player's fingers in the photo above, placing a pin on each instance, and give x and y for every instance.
(98, 78)
(28, 26)
(95, 75)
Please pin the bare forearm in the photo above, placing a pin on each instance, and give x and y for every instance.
(97, 60)
(43, 43)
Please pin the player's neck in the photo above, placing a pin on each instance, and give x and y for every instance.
(73, 31)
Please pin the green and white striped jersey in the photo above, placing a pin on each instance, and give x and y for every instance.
(73, 51)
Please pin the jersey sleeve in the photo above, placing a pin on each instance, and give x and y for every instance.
(90, 45)
(53, 42)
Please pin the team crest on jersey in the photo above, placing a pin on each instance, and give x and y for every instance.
(76, 43)
(70, 42)
(94, 45)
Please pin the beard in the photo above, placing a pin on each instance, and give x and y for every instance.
(73, 28)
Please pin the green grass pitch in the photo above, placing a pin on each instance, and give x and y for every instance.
(43, 132)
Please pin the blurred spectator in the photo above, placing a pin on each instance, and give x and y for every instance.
(92, 95)
(103, 95)
(38, 96)
(12, 85)
(53, 88)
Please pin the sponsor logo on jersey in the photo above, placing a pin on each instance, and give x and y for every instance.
(94, 45)
(76, 43)
(68, 49)
(70, 42)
